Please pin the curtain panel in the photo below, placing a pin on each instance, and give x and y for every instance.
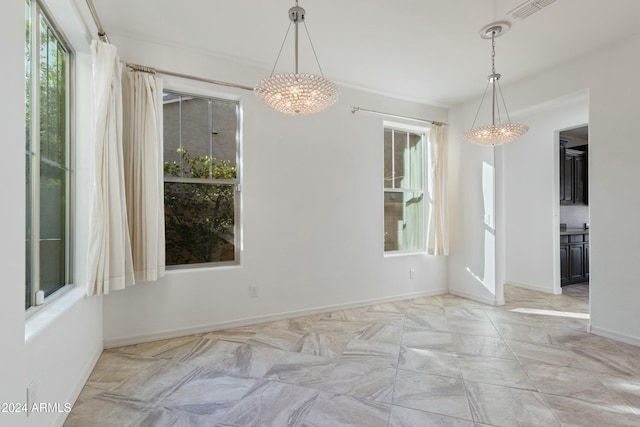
(438, 224)
(143, 161)
(110, 263)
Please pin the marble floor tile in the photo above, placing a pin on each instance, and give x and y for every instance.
(494, 370)
(239, 335)
(283, 339)
(571, 382)
(341, 410)
(430, 340)
(322, 344)
(271, 403)
(608, 363)
(429, 361)
(107, 410)
(302, 369)
(627, 387)
(361, 380)
(176, 418)
(578, 413)
(114, 369)
(381, 332)
(206, 392)
(481, 346)
(406, 417)
(507, 407)
(372, 352)
(170, 349)
(465, 313)
(431, 393)
(473, 327)
(441, 361)
(543, 353)
(432, 321)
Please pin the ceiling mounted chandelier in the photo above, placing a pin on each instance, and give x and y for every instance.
(297, 93)
(497, 132)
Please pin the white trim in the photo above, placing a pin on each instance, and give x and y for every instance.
(616, 336)
(79, 385)
(174, 333)
(488, 301)
(534, 287)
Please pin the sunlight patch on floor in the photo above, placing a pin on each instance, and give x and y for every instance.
(551, 313)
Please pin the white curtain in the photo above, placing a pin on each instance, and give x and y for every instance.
(438, 224)
(110, 263)
(143, 156)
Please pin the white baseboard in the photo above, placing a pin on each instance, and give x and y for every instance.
(488, 301)
(174, 333)
(616, 336)
(533, 287)
(79, 385)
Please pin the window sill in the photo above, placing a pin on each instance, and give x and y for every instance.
(50, 311)
(396, 254)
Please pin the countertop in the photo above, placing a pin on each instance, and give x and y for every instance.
(569, 231)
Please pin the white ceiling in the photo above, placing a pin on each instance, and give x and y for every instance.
(424, 50)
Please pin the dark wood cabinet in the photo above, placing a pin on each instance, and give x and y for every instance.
(573, 175)
(574, 258)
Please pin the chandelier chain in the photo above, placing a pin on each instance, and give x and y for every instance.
(493, 52)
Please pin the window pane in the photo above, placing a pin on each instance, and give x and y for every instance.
(52, 227)
(414, 158)
(171, 131)
(399, 158)
(199, 223)
(388, 158)
(196, 137)
(224, 131)
(403, 221)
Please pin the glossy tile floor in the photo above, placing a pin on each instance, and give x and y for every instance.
(438, 361)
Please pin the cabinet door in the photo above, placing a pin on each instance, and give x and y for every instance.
(564, 264)
(568, 180)
(576, 262)
(580, 180)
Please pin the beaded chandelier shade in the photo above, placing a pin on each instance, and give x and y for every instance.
(497, 132)
(297, 93)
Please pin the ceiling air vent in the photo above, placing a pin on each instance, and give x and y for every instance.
(528, 8)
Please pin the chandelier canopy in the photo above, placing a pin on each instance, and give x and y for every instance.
(297, 93)
(498, 132)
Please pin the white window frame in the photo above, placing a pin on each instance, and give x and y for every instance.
(38, 9)
(187, 91)
(424, 132)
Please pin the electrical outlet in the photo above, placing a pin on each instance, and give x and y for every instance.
(253, 291)
(32, 395)
(412, 273)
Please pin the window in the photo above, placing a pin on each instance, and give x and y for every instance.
(404, 183)
(47, 157)
(201, 180)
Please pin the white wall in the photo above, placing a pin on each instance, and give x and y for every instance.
(610, 75)
(12, 356)
(531, 194)
(312, 215)
(58, 346)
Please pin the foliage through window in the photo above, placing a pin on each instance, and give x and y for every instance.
(404, 183)
(201, 180)
(46, 155)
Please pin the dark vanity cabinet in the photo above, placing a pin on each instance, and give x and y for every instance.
(574, 258)
(573, 175)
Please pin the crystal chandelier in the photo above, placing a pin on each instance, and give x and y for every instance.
(297, 93)
(497, 132)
